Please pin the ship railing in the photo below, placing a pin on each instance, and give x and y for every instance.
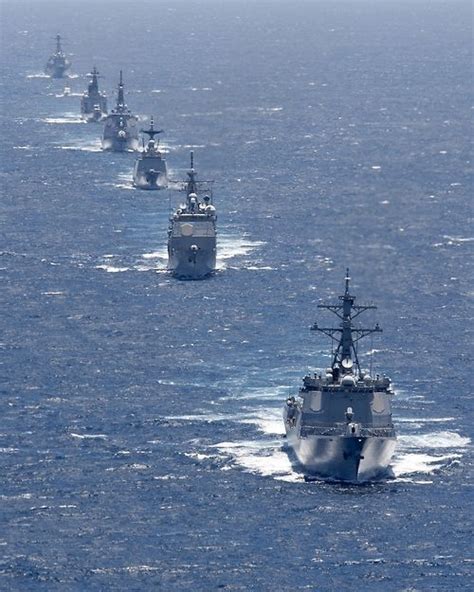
(329, 388)
(197, 233)
(340, 430)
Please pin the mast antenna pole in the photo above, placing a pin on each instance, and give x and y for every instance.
(372, 353)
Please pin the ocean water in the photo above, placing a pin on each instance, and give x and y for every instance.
(141, 440)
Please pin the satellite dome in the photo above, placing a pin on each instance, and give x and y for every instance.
(348, 380)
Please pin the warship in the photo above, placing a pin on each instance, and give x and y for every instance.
(120, 129)
(192, 232)
(340, 427)
(150, 170)
(93, 101)
(58, 62)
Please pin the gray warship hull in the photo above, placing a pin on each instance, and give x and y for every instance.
(58, 63)
(340, 426)
(120, 133)
(57, 70)
(342, 457)
(192, 234)
(191, 258)
(150, 173)
(93, 109)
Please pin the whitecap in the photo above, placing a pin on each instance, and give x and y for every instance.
(88, 436)
(418, 462)
(420, 420)
(159, 261)
(112, 269)
(263, 458)
(459, 239)
(266, 420)
(269, 109)
(124, 186)
(88, 146)
(64, 95)
(63, 119)
(230, 246)
(434, 440)
(199, 455)
(130, 569)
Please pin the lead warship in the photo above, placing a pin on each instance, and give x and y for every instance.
(192, 232)
(150, 171)
(58, 63)
(93, 101)
(120, 130)
(340, 427)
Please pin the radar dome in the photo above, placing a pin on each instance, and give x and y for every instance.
(348, 380)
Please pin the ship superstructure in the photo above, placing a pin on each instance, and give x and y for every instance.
(192, 232)
(340, 427)
(58, 63)
(150, 171)
(121, 126)
(93, 101)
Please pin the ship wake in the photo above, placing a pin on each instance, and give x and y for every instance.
(65, 118)
(83, 146)
(231, 247)
(418, 456)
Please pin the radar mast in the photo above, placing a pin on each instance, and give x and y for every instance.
(346, 335)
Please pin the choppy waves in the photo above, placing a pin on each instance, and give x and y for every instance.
(420, 454)
(229, 248)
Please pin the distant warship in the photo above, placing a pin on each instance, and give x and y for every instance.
(120, 130)
(57, 63)
(150, 170)
(93, 101)
(192, 233)
(340, 427)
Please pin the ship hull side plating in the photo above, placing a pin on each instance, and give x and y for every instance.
(93, 110)
(191, 258)
(150, 173)
(120, 137)
(343, 458)
(57, 69)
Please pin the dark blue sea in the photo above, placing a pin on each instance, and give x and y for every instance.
(141, 439)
